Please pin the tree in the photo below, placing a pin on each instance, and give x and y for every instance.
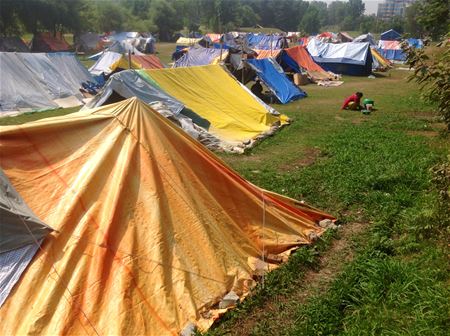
(337, 11)
(166, 19)
(433, 75)
(412, 27)
(433, 16)
(248, 17)
(356, 8)
(310, 22)
(111, 16)
(322, 12)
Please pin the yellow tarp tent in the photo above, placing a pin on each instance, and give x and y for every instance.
(235, 114)
(152, 229)
(383, 61)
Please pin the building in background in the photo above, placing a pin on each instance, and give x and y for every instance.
(391, 8)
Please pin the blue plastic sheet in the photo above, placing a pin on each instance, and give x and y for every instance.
(273, 76)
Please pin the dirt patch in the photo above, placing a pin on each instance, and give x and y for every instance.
(278, 311)
(309, 156)
(359, 120)
(428, 134)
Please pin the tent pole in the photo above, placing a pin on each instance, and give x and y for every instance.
(271, 42)
(129, 59)
(243, 69)
(221, 49)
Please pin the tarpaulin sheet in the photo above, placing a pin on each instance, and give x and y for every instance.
(201, 56)
(350, 53)
(390, 35)
(264, 42)
(47, 42)
(273, 76)
(21, 233)
(236, 116)
(416, 43)
(129, 84)
(145, 241)
(188, 40)
(73, 72)
(366, 38)
(12, 265)
(103, 64)
(137, 62)
(391, 50)
(26, 76)
(301, 56)
(382, 62)
(352, 58)
(19, 226)
(214, 37)
(147, 61)
(267, 53)
(20, 89)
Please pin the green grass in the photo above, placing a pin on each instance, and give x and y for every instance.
(31, 116)
(373, 169)
(164, 51)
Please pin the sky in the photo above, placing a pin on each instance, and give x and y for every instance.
(371, 5)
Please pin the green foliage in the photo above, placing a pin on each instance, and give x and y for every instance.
(412, 27)
(433, 16)
(165, 17)
(433, 75)
(310, 22)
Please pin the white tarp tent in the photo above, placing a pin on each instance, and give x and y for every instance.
(351, 58)
(103, 64)
(38, 81)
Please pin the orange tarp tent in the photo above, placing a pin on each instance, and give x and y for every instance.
(300, 55)
(152, 229)
(267, 53)
(147, 61)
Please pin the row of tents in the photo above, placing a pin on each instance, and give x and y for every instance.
(86, 42)
(206, 101)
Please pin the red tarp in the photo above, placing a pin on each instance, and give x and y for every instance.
(147, 61)
(46, 41)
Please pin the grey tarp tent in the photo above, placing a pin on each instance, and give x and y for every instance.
(38, 81)
(20, 89)
(21, 233)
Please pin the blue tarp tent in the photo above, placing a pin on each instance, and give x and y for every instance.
(391, 50)
(352, 58)
(273, 76)
(264, 42)
(200, 56)
(390, 35)
(416, 43)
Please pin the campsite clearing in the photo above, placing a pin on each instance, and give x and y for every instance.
(373, 170)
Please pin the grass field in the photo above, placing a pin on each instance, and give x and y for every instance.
(385, 271)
